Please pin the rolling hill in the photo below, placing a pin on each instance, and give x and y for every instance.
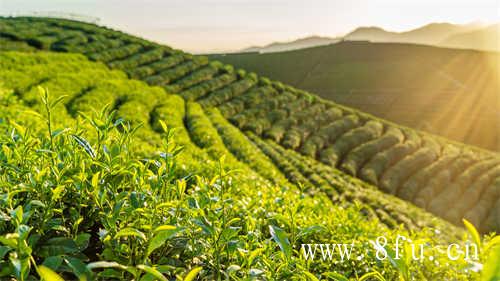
(207, 170)
(453, 93)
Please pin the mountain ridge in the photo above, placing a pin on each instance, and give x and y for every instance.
(301, 43)
(436, 34)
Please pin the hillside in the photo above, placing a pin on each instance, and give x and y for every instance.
(453, 93)
(205, 137)
(297, 168)
(257, 104)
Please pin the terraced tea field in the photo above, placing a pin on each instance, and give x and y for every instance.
(397, 160)
(199, 162)
(449, 92)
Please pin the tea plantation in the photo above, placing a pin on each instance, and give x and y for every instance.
(449, 92)
(123, 159)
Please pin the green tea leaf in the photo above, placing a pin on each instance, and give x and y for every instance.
(85, 145)
(105, 264)
(82, 240)
(372, 276)
(53, 262)
(280, 237)
(58, 246)
(310, 230)
(335, 276)
(163, 233)
(17, 214)
(3, 251)
(399, 264)
(58, 132)
(58, 100)
(79, 268)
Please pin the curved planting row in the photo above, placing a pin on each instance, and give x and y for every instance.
(449, 179)
(344, 190)
(243, 149)
(397, 160)
(156, 64)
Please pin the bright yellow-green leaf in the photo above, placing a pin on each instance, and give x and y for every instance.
(130, 232)
(233, 220)
(192, 274)
(153, 271)
(310, 276)
(372, 276)
(491, 268)
(95, 180)
(48, 274)
(222, 160)
(57, 192)
(165, 227)
(164, 205)
(473, 232)
(214, 179)
(253, 255)
(163, 126)
(18, 128)
(493, 242)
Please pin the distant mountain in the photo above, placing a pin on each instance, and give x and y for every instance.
(487, 38)
(431, 34)
(470, 36)
(302, 43)
(371, 33)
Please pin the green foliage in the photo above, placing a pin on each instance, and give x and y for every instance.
(130, 182)
(364, 152)
(294, 118)
(243, 149)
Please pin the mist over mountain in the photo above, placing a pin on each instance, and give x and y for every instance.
(431, 34)
(487, 38)
(301, 43)
(469, 36)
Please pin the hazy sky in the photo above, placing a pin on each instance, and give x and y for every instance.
(218, 25)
